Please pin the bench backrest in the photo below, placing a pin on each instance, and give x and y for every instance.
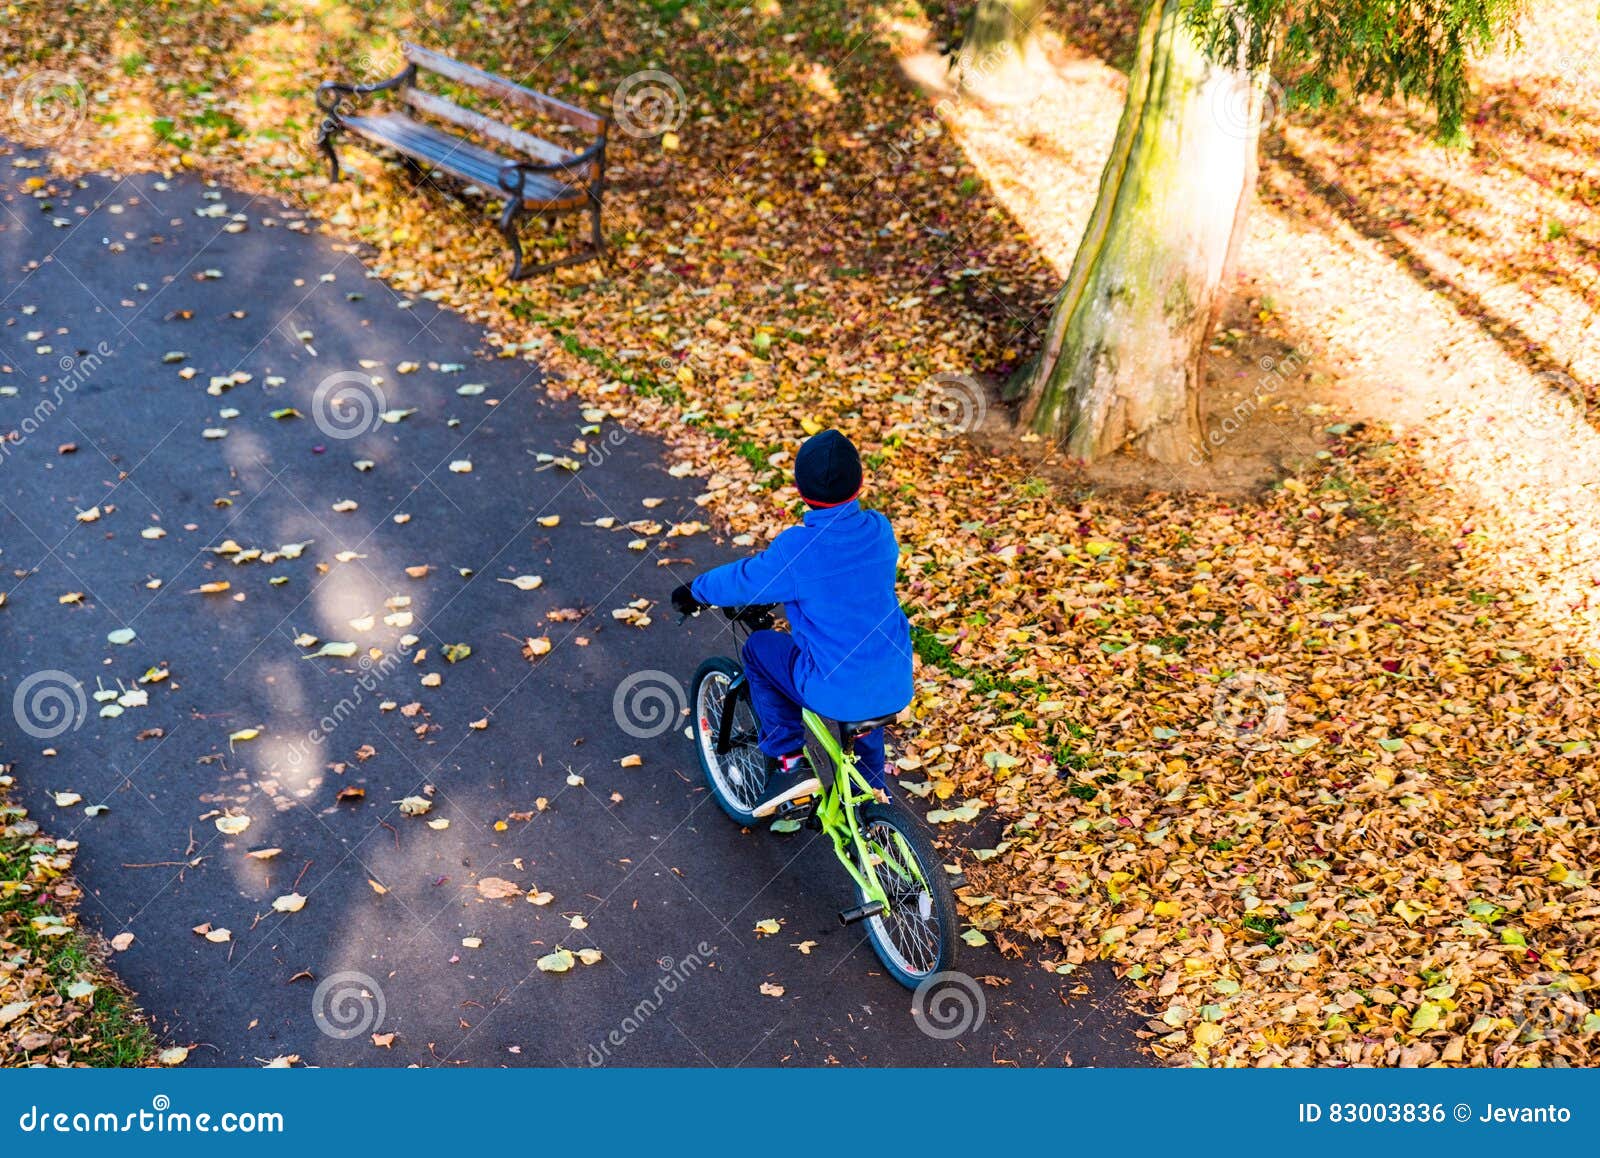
(502, 90)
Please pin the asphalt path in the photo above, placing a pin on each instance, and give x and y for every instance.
(105, 283)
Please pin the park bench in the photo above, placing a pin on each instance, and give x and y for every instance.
(539, 178)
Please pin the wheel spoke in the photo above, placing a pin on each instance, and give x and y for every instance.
(740, 772)
(911, 939)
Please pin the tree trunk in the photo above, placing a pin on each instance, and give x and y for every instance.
(996, 52)
(1122, 356)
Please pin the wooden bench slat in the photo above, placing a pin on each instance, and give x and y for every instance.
(435, 105)
(460, 158)
(504, 89)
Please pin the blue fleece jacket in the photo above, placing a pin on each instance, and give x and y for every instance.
(834, 576)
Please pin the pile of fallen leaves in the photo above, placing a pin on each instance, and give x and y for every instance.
(59, 1005)
(1317, 786)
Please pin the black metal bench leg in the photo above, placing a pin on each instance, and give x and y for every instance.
(596, 238)
(508, 228)
(325, 139)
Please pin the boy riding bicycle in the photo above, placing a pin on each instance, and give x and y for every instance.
(847, 654)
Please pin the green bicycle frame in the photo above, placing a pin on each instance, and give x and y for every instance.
(842, 792)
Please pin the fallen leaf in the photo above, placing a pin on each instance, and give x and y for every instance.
(497, 889)
(558, 962)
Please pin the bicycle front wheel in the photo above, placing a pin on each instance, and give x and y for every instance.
(738, 776)
(915, 936)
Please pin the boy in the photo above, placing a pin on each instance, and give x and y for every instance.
(847, 654)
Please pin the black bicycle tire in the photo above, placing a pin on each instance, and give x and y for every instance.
(944, 900)
(722, 665)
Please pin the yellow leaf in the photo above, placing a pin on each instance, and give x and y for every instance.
(558, 962)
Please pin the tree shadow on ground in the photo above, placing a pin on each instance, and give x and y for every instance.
(1448, 244)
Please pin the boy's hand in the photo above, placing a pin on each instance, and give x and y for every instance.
(684, 602)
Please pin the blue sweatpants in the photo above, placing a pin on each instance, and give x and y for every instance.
(769, 659)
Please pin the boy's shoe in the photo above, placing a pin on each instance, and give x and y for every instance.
(789, 779)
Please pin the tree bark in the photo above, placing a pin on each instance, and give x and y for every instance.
(996, 51)
(1122, 357)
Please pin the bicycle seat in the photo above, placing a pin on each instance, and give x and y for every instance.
(858, 726)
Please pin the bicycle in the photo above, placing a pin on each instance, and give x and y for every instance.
(902, 890)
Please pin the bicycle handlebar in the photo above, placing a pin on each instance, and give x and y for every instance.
(755, 616)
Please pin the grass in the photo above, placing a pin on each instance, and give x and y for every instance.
(103, 1029)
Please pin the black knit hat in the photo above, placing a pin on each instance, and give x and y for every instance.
(827, 470)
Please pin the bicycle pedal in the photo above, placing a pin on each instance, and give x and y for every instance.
(803, 808)
(870, 909)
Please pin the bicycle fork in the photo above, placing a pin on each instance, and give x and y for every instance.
(846, 788)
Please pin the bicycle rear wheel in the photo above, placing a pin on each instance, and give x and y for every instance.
(738, 776)
(915, 937)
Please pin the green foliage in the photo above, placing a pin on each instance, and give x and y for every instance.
(1414, 48)
(109, 1030)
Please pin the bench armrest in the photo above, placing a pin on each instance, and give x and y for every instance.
(512, 173)
(331, 92)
